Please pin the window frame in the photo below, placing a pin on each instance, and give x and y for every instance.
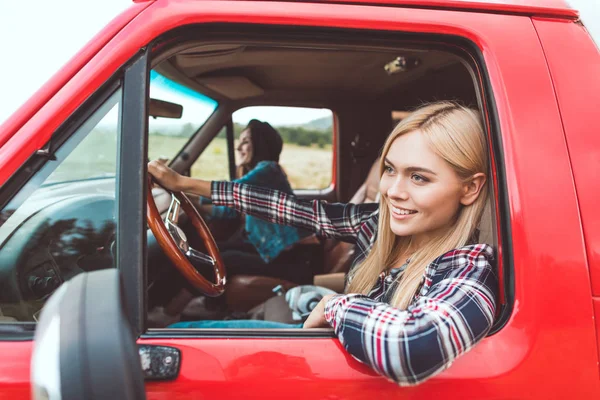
(132, 188)
(473, 60)
(185, 163)
(317, 193)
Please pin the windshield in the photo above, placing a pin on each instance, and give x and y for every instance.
(166, 136)
(91, 152)
(94, 155)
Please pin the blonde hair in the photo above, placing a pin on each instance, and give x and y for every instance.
(454, 133)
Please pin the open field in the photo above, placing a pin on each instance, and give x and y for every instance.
(307, 167)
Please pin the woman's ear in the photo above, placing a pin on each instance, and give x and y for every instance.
(472, 188)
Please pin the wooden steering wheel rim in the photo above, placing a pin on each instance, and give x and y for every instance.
(181, 262)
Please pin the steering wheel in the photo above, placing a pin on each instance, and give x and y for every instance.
(173, 242)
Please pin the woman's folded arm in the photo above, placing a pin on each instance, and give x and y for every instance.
(410, 346)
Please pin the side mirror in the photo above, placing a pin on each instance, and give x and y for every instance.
(84, 345)
(164, 109)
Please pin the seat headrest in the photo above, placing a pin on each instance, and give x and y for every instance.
(372, 183)
(369, 190)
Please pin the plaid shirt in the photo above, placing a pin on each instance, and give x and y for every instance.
(452, 311)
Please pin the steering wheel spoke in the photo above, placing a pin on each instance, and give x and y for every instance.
(178, 236)
(173, 212)
(174, 242)
(200, 257)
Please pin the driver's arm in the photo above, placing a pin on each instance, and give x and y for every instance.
(336, 220)
(175, 182)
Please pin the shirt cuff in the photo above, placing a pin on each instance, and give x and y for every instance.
(337, 305)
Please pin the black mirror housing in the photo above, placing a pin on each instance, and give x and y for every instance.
(84, 335)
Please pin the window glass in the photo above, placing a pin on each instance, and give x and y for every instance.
(94, 157)
(307, 133)
(168, 135)
(62, 222)
(213, 164)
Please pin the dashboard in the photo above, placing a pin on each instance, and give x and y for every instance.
(60, 231)
(54, 235)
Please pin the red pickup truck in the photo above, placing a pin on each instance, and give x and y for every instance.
(168, 77)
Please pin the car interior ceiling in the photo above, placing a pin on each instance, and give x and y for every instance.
(348, 79)
(352, 81)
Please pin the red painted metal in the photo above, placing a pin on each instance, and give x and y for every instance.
(14, 370)
(528, 7)
(575, 71)
(554, 8)
(548, 348)
(596, 302)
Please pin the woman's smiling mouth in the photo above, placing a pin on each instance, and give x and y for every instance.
(401, 213)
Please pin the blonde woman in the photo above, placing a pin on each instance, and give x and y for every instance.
(421, 292)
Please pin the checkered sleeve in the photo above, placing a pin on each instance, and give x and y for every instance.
(336, 220)
(412, 345)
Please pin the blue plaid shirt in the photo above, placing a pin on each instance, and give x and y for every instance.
(268, 239)
(452, 311)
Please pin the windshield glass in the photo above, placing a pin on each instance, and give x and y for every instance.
(95, 156)
(91, 153)
(166, 136)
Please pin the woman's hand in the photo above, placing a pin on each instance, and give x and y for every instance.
(164, 175)
(316, 319)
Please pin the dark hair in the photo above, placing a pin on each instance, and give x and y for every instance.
(266, 142)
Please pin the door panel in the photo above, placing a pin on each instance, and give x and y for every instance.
(307, 368)
(14, 369)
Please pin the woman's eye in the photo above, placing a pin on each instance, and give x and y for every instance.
(387, 169)
(418, 178)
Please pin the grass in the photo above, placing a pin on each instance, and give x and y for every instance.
(306, 167)
(95, 156)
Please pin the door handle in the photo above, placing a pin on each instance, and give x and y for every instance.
(159, 363)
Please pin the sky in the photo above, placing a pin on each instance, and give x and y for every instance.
(40, 36)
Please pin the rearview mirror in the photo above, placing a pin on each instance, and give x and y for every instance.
(84, 346)
(164, 109)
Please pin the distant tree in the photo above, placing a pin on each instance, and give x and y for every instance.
(298, 135)
(187, 130)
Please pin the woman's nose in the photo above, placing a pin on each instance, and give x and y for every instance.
(398, 190)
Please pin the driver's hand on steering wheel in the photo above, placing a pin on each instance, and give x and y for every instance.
(165, 176)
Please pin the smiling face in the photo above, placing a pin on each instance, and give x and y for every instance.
(244, 148)
(423, 192)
